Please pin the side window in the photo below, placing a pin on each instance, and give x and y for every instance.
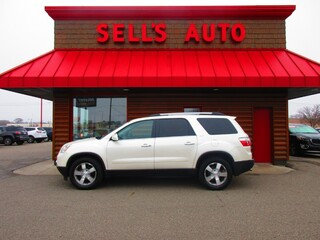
(137, 130)
(1, 129)
(10, 128)
(174, 127)
(217, 126)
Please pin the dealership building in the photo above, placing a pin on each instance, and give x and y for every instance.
(112, 64)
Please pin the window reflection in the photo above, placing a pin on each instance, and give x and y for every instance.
(96, 117)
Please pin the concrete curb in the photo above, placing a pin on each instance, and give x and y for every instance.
(41, 168)
(47, 168)
(268, 169)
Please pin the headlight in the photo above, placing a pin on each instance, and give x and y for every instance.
(65, 147)
(302, 138)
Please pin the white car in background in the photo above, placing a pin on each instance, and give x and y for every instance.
(36, 134)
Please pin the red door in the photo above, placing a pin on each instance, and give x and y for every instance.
(262, 135)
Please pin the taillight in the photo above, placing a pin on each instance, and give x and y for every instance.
(245, 141)
(39, 131)
(17, 132)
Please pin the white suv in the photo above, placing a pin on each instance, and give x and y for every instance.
(212, 145)
(36, 134)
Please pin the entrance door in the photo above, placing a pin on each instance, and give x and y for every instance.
(262, 135)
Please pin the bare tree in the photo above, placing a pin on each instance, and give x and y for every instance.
(18, 120)
(310, 115)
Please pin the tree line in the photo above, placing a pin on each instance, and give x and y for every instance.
(309, 115)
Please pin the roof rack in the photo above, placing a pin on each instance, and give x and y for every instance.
(187, 113)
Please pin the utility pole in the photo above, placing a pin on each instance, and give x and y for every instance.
(40, 112)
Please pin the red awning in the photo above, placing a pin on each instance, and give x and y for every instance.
(172, 68)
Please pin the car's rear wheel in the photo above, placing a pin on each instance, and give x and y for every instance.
(8, 141)
(215, 173)
(86, 173)
(19, 142)
(31, 139)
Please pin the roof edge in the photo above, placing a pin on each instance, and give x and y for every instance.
(25, 63)
(272, 12)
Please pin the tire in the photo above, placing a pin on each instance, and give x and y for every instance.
(31, 139)
(19, 142)
(294, 150)
(86, 173)
(215, 173)
(39, 140)
(8, 141)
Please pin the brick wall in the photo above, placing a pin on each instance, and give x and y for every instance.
(83, 34)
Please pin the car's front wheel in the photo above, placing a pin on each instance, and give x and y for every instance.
(215, 173)
(294, 149)
(86, 173)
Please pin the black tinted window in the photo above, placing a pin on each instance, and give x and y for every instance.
(174, 128)
(12, 128)
(216, 126)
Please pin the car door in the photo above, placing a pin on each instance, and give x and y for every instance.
(175, 144)
(134, 148)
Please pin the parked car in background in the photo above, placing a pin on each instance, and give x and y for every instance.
(303, 138)
(49, 133)
(13, 134)
(36, 134)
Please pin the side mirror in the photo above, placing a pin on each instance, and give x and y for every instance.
(115, 137)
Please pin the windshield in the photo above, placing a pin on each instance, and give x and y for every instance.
(302, 129)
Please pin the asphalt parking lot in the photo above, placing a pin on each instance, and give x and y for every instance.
(277, 206)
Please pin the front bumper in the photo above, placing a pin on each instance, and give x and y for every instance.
(22, 138)
(309, 146)
(242, 166)
(64, 172)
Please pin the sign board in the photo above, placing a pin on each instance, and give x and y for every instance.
(86, 102)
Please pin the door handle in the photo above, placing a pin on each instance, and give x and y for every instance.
(189, 143)
(146, 145)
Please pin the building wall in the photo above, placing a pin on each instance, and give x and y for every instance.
(83, 34)
(62, 112)
(240, 104)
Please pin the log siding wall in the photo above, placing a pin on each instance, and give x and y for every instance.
(62, 122)
(241, 105)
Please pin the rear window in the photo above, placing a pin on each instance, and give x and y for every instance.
(217, 126)
(15, 128)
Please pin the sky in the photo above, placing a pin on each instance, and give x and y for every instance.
(27, 32)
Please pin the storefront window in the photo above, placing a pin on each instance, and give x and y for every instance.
(96, 117)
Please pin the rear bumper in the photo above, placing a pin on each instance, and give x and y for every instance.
(242, 166)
